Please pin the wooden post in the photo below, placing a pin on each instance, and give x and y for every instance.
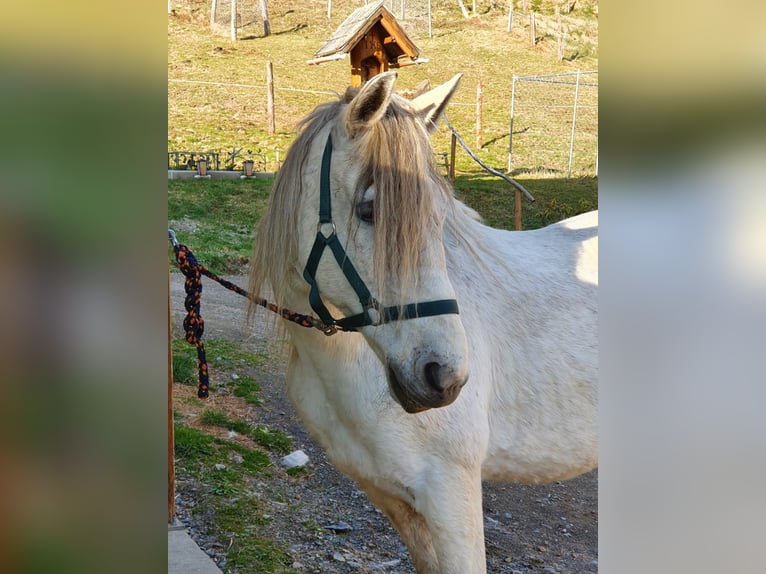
(532, 31)
(562, 43)
(233, 21)
(213, 8)
(510, 16)
(329, 8)
(560, 52)
(453, 148)
(479, 105)
(517, 210)
(171, 436)
(510, 127)
(265, 17)
(272, 122)
(462, 8)
(430, 29)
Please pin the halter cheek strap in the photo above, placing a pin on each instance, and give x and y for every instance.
(373, 313)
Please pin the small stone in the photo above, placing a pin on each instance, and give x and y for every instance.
(339, 557)
(232, 434)
(220, 466)
(234, 376)
(507, 516)
(541, 548)
(516, 572)
(339, 527)
(295, 459)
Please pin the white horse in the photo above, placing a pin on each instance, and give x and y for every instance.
(513, 374)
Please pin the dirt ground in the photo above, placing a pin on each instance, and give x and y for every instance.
(528, 529)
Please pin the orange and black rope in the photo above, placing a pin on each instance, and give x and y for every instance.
(194, 326)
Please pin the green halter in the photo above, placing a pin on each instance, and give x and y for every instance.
(372, 311)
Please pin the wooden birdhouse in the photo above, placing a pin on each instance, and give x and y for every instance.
(375, 42)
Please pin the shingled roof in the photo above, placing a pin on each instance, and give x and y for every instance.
(354, 28)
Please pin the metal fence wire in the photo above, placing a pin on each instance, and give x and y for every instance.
(554, 124)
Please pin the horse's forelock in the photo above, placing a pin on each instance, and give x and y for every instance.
(397, 152)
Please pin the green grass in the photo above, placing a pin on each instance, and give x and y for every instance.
(236, 514)
(246, 388)
(184, 362)
(193, 445)
(216, 218)
(554, 199)
(272, 439)
(220, 419)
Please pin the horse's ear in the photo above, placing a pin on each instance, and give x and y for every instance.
(370, 103)
(431, 105)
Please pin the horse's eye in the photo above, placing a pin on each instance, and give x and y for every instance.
(365, 211)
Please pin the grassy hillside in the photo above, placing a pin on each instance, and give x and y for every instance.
(210, 117)
(215, 117)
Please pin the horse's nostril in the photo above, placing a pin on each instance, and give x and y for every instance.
(431, 372)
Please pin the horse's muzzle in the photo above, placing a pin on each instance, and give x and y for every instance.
(438, 386)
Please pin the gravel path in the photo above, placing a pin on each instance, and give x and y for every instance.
(528, 529)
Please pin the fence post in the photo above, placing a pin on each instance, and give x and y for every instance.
(532, 31)
(329, 8)
(430, 31)
(171, 437)
(479, 106)
(233, 20)
(510, 129)
(213, 8)
(272, 122)
(574, 121)
(517, 210)
(453, 149)
(510, 15)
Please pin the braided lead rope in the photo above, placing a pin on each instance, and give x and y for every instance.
(193, 324)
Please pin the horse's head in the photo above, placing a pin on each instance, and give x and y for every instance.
(387, 202)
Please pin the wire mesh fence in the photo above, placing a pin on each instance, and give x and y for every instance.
(248, 13)
(554, 124)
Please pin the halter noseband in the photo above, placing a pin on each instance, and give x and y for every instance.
(373, 313)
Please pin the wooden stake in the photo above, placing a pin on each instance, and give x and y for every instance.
(453, 148)
(171, 436)
(272, 122)
(532, 31)
(233, 21)
(265, 17)
(462, 8)
(479, 106)
(213, 8)
(517, 210)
